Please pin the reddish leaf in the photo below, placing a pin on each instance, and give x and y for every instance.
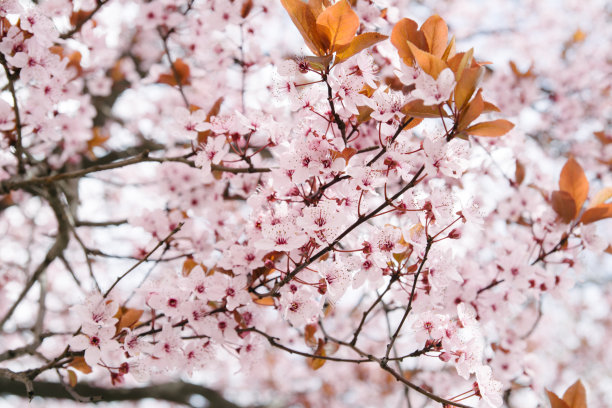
(78, 17)
(574, 182)
(519, 74)
(575, 396)
(182, 74)
(309, 335)
(316, 363)
(247, 6)
(555, 401)
(72, 378)
(317, 6)
(449, 52)
(601, 197)
(346, 154)
(564, 205)
(416, 109)
(188, 265)
(519, 173)
(459, 62)
(596, 213)
(430, 64)
(359, 43)
(407, 30)
(338, 24)
(265, 301)
(127, 318)
(436, 34)
(489, 107)
(467, 84)
(604, 138)
(471, 113)
(306, 23)
(364, 114)
(493, 128)
(80, 364)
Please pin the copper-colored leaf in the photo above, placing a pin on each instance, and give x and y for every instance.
(79, 363)
(359, 43)
(460, 62)
(493, 128)
(519, 74)
(555, 401)
(305, 21)
(574, 182)
(319, 63)
(436, 34)
(246, 8)
(604, 138)
(309, 335)
(338, 24)
(316, 363)
(72, 378)
(214, 111)
(416, 109)
(601, 197)
(97, 140)
(519, 173)
(364, 114)
(181, 72)
(449, 52)
(467, 84)
(575, 396)
(407, 30)
(188, 265)
(265, 301)
(596, 213)
(129, 318)
(489, 107)
(345, 154)
(78, 17)
(429, 63)
(564, 205)
(317, 6)
(473, 110)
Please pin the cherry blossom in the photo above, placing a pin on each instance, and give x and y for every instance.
(434, 91)
(192, 201)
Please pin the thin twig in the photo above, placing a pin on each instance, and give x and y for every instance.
(412, 293)
(159, 244)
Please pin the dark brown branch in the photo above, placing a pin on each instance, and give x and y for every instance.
(367, 312)
(409, 307)
(17, 184)
(399, 377)
(337, 120)
(100, 223)
(395, 135)
(18, 142)
(82, 22)
(558, 246)
(61, 241)
(357, 223)
(274, 343)
(178, 392)
(175, 74)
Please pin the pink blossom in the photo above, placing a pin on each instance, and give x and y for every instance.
(434, 91)
(489, 389)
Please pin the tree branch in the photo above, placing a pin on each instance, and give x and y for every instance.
(178, 392)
